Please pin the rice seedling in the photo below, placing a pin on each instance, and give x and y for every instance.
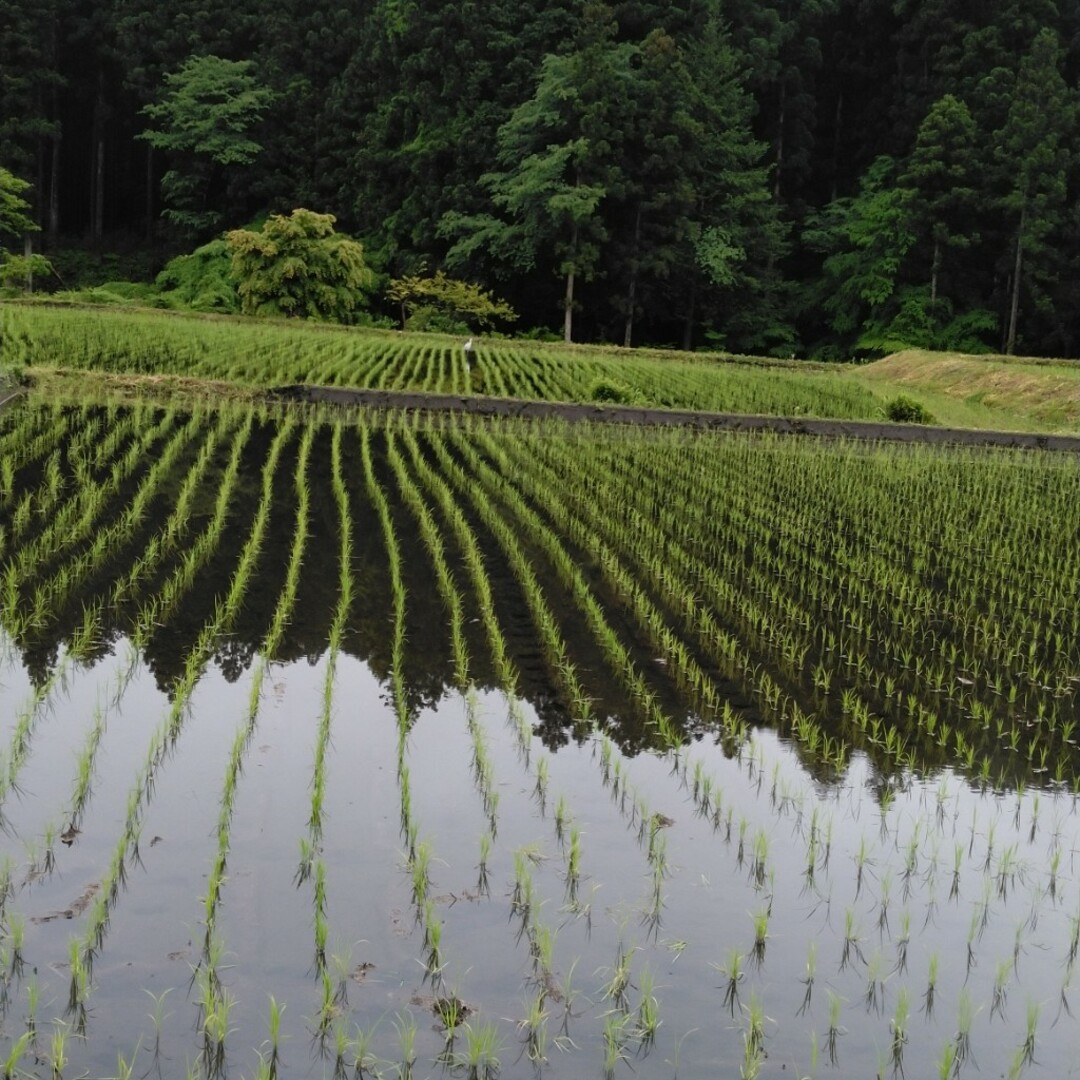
(1002, 974)
(760, 920)
(10, 1068)
(618, 980)
(573, 863)
(405, 1026)
(965, 1015)
(479, 1059)
(809, 976)
(899, 1028)
(614, 1034)
(875, 982)
(733, 975)
(57, 1054)
(364, 1061)
(648, 1011)
(852, 939)
(274, 1055)
(486, 841)
(420, 870)
(1031, 1017)
(533, 1027)
(835, 1030)
(755, 1027)
(542, 782)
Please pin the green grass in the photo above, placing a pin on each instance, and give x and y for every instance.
(984, 391)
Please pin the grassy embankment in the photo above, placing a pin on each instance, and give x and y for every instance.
(1042, 393)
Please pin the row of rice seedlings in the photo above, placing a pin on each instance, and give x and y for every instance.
(614, 650)
(429, 531)
(28, 435)
(545, 621)
(555, 651)
(569, 835)
(155, 610)
(540, 935)
(908, 869)
(487, 377)
(40, 502)
(524, 902)
(479, 578)
(418, 854)
(175, 528)
(677, 658)
(507, 675)
(847, 614)
(14, 757)
(71, 525)
(312, 863)
(43, 859)
(283, 609)
(637, 487)
(481, 588)
(54, 592)
(165, 736)
(269, 355)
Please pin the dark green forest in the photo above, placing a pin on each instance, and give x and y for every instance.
(821, 178)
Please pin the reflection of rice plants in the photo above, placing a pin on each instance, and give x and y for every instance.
(830, 647)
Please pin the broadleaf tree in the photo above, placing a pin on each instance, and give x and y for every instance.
(204, 122)
(297, 265)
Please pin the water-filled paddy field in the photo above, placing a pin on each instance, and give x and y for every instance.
(336, 747)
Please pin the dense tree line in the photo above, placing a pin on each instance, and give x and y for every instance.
(787, 176)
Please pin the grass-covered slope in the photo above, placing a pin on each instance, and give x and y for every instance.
(1045, 393)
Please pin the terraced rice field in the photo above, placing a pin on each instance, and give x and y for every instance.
(338, 746)
(275, 354)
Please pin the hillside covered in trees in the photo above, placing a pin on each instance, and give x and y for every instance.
(810, 177)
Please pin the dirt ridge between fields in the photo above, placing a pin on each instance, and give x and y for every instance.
(481, 405)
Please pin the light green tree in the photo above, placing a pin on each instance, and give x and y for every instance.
(864, 238)
(15, 219)
(17, 271)
(204, 122)
(297, 265)
(443, 303)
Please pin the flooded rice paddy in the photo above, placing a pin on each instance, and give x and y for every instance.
(420, 749)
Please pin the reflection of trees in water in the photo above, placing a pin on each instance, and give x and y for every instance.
(429, 670)
(429, 674)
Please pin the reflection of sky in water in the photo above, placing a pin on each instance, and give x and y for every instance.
(266, 921)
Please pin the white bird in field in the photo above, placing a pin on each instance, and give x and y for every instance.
(468, 346)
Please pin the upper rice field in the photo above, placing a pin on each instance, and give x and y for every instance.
(1011, 395)
(364, 744)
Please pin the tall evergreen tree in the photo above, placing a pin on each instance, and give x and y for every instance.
(1033, 150)
(940, 179)
(562, 155)
(29, 80)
